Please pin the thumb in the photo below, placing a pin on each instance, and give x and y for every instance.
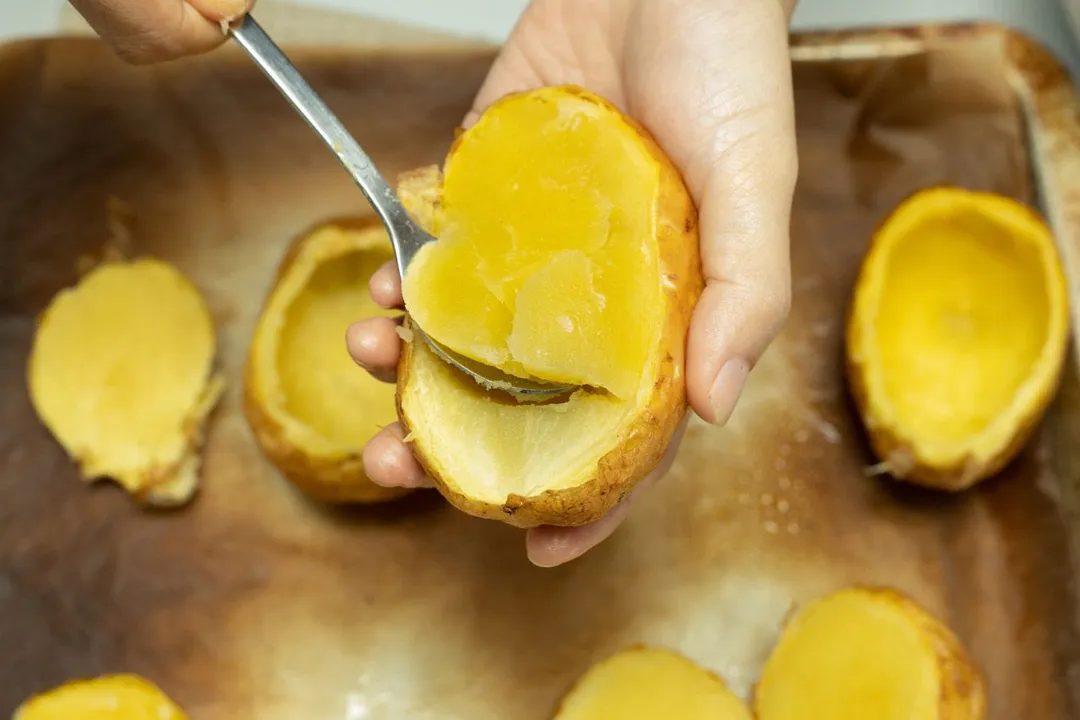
(147, 31)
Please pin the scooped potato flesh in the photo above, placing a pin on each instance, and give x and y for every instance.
(545, 265)
(650, 683)
(322, 386)
(502, 447)
(963, 320)
(109, 697)
(121, 365)
(852, 656)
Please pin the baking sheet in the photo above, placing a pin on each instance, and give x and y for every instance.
(255, 603)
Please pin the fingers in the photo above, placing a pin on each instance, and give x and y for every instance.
(385, 286)
(374, 345)
(726, 117)
(388, 460)
(219, 10)
(548, 546)
(146, 31)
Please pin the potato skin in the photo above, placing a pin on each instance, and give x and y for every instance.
(901, 457)
(335, 478)
(739, 711)
(900, 454)
(83, 697)
(963, 690)
(646, 437)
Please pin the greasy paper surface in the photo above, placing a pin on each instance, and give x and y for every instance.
(256, 603)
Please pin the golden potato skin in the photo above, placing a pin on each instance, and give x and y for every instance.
(116, 696)
(616, 475)
(735, 708)
(330, 480)
(903, 462)
(963, 690)
(335, 479)
(645, 439)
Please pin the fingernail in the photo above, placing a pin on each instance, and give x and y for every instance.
(726, 389)
(227, 10)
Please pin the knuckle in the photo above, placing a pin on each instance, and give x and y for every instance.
(133, 54)
(144, 48)
(767, 306)
(776, 305)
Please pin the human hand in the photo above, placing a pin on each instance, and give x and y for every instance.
(711, 80)
(145, 31)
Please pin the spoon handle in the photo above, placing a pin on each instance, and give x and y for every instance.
(272, 61)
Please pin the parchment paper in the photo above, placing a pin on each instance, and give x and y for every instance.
(256, 603)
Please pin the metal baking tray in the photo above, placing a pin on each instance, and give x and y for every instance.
(256, 603)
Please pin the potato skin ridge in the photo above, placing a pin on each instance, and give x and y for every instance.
(895, 446)
(333, 479)
(644, 439)
(963, 690)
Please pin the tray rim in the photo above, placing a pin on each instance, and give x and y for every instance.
(1049, 101)
(1048, 98)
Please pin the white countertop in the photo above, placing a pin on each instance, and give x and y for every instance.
(492, 19)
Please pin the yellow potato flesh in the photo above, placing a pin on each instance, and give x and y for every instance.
(546, 264)
(322, 387)
(120, 370)
(649, 684)
(851, 657)
(963, 321)
(112, 697)
(503, 447)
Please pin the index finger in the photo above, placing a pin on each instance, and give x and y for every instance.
(147, 31)
(385, 286)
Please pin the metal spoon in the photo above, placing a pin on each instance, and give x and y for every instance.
(406, 237)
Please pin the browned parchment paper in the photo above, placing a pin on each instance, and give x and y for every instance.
(256, 603)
